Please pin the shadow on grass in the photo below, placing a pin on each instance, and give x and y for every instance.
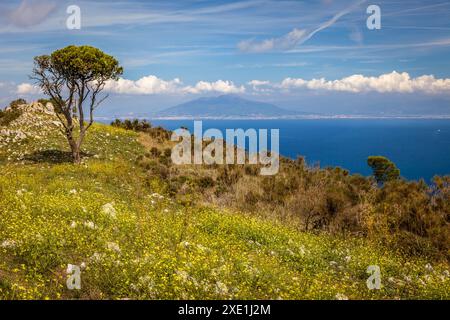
(52, 156)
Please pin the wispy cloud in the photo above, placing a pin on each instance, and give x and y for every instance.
(295, 37)
(30, 13)
(443, 42)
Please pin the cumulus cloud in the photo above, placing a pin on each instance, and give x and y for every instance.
(293, 38)
(151, 84)
(154, 85)
(393, 82)
(146, 85)
(31, 12)
(257, 83)
(28, 89)
(219, 86)
(260, 86)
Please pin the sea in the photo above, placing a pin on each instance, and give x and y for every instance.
(419, 147)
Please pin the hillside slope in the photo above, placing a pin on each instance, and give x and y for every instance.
(132, 240)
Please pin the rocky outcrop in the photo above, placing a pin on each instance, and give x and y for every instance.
(36, 121)
(36, 107)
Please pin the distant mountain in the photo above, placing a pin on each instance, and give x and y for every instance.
(226, 107)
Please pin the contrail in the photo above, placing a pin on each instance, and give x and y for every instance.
(295, 37)
(333, 20)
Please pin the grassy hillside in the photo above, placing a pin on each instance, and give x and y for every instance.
(135, 239)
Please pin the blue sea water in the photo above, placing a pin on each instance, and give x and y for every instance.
(420, 148)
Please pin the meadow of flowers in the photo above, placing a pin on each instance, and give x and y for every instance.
(132, 241)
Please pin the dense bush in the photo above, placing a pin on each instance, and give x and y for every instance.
(157, 133)
(14, 104)
(11, 113)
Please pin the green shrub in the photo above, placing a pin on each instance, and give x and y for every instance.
(205, 182)
(14, 104)
(155, 152)
(6, 117)
(167, 152)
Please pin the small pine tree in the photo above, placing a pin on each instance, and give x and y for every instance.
(383, 169)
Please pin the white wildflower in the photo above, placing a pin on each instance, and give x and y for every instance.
(21, 192)
(221, 288)
(96, 257)
(185, 244)
(8, 244)
(428, 267)
(90, 225)
(302, 250)
(73, 224)
(290, 252)
(183, 275)
(113, 246)
(340, 296)
(109, 210)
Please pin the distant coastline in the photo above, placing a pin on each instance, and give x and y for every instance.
(232, 107)
(297, 117)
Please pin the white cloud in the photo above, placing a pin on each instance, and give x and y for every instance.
(285, 42)
(27, 89)
(293, 38)
(393, 82)
(257, 83)
(146, 85)
(31, 12)
(260, 86)
(154, 85)
(385, 83)
(220, 86)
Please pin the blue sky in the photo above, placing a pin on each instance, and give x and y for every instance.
(299, 54)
